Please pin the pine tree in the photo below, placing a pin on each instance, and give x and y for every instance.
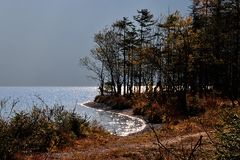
(145, 21)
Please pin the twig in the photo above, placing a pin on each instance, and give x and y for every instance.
(160, 145)
(3, 104)
(14, 103)
(43, 102)
(197, 145)
(209, 137)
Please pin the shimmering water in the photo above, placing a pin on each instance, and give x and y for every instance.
(71, 98)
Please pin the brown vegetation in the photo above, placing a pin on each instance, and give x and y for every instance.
(42, 130)
(114, 102)
(193, 137)
(189, 67)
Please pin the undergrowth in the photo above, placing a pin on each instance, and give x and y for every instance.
(41, 130)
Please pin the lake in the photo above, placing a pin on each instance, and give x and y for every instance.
(71, 98)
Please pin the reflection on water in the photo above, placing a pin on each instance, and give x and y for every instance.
(73, 97)
(123, 125)
(117, 123)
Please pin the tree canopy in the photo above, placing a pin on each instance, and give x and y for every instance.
(173, 55)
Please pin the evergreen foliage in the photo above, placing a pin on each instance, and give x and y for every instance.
(173, 56)
(229, 136)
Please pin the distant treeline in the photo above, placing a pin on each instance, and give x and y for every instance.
(178, 55)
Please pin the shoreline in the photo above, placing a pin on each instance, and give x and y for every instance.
(126, 112)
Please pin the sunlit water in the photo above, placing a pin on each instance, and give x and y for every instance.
(71, 98)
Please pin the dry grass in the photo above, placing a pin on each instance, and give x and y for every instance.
(179, 137)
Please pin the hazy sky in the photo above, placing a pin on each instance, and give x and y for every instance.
(41, 41)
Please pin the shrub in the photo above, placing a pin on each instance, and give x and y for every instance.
(6, 148)
(229, 136)
(115, 102)
(40, 130)
(151, 111)
(139, 105)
